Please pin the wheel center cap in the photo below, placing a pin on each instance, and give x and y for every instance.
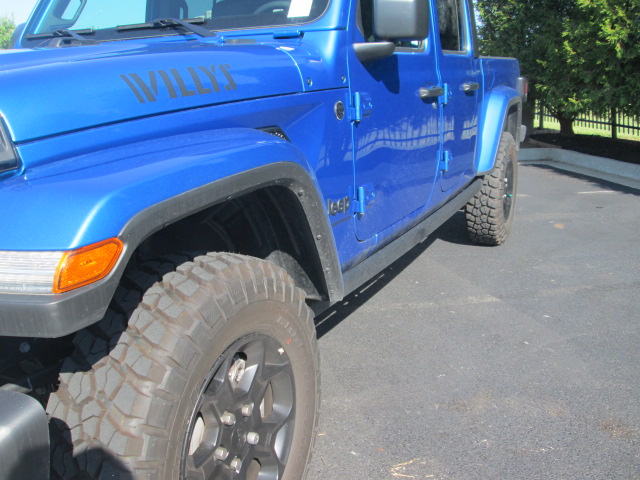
(239, 438)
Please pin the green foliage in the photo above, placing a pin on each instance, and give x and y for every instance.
(6, 29)
(606, 39)
(579, 55)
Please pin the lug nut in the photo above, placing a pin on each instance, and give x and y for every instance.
(228, 419)
(236, 465)
(253, 438)
(247, 409)
(221, 453)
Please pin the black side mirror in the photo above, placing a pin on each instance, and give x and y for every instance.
(394, 20)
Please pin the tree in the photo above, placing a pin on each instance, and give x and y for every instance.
(579, 55)
(6, 30)
(606, 39)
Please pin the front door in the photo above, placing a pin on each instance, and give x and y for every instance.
(396, 143)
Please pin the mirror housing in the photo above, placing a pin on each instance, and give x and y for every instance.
(401, 19)
(371, 51)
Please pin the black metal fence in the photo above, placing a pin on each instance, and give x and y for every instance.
(615, 124)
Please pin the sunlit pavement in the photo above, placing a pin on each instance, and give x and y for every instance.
(513, 362)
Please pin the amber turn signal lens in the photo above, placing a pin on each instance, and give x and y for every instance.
(86, 265)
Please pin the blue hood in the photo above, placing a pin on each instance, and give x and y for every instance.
(52, 91)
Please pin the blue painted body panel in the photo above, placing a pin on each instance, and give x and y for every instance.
(112, 82)
(396, 147)
(92, 196)
(93, 173)
(108, 130)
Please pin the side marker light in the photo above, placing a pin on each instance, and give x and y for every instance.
(86, 265)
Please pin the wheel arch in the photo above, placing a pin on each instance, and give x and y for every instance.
(285, 215)
(501, 112)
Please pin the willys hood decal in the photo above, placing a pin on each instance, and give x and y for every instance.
(48, 92)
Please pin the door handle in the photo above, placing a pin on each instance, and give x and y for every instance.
(432, 92)
(470, 87)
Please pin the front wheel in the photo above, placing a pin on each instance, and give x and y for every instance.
(490, 212)
(215, 377)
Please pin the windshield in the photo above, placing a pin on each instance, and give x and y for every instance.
(102, 17)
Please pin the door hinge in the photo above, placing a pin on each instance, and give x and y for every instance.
(446, 95)
(364, 196)
(445, 160)
(361, 107)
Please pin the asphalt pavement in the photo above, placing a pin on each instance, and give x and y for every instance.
(462, 362)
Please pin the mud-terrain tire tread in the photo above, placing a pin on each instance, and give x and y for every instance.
(487, 222)
(118, 387)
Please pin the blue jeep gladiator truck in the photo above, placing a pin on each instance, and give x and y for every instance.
(187, 183)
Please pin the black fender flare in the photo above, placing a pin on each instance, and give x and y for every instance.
(283, 174)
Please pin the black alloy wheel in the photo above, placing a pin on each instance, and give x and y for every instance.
(243, 423)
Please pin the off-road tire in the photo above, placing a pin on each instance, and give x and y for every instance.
(142, 395)
(490, 212)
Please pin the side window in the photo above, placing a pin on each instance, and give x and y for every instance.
(451, 20)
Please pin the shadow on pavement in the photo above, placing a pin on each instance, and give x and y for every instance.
(452, 231)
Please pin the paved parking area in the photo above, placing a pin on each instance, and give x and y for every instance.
(517, 362)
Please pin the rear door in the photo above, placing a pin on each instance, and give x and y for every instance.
(459, 70)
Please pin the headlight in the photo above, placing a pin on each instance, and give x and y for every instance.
(57, 272)
(28, 272)
(8, 154)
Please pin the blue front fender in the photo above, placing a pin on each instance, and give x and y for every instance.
(86, 199)
(492, 123)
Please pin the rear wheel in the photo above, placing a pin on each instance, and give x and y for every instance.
(215, 377)
(490, 213)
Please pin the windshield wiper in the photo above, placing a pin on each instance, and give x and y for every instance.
(75, 34)
(62, 37)
(171, 22)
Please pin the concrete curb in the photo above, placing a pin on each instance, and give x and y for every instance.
(588, 164)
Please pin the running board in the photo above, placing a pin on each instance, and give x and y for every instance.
(384, 257)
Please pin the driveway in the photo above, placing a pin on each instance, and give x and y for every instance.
(514, 362)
